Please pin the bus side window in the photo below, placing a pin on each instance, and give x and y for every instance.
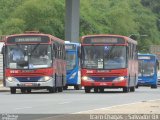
(61, 49)
(53, 50)
(63, 52)
(2, 50)
(129, 51)
(127, 55)
(58, 49)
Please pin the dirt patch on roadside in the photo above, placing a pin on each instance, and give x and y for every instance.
(1, 82)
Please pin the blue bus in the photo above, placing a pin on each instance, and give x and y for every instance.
(147, 70)
(73, 65)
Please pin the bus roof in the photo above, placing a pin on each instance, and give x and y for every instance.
(146, 54)
(111, 35)
(74, 43)
(35, 34)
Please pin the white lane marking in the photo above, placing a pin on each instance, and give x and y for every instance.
(64, 102)
(22, 108)
(107, 108)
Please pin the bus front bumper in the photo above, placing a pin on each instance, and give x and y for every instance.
(18, 84)
(146, 83)
(105, 84)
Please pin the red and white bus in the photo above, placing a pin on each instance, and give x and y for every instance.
(108, 61)
(34, 61)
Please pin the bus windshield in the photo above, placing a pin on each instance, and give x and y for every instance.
(71, 60)
(104, 57)
(146, 68)
(33, 56)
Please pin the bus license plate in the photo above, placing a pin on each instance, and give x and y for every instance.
(103, 84)
(28, 84)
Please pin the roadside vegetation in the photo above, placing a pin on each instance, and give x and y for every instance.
(125, 17)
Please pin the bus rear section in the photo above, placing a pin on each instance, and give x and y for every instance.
(72, 65)
(108, 62)
(147, 72)
(34, 61)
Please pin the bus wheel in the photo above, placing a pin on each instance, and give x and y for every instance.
(77, 87)
(23, 90)
(137, 86)
(13, 90)
(132, 89)
(65, 87)
(29, 90)
(96, 90)
(154, 86)
(52, 89)
(60, 89)
(87, 90)
(125, 89)
(101, 90)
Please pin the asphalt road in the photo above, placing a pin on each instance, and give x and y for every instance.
(70, 101)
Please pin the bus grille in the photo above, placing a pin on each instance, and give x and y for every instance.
(104, 74)
(28, 79)
(103, 79)
(27, 74)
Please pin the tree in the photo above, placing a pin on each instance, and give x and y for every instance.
(13, 26)
(124, 17)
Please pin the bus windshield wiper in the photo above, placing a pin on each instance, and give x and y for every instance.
(35, 48)
(111, 49)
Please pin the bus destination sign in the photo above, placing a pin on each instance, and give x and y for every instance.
(144, 57)
(103, 40)
(25, 39)
(70, 47)
(28, 39)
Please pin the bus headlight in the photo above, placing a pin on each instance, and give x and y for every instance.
(73, 75)
(85, 78)
(45, 78)
(10, 79)
(119, 79)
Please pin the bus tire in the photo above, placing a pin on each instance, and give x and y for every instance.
(87, 90)
(29, 90)
(154, 86)
(77, 87)
(137, 86)
(132, 89)
(60, 89)
(13, 90)
(101, 90)
(65, 87)
(126, 89)
(96, 90)
(23, 90)
(52, 90)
